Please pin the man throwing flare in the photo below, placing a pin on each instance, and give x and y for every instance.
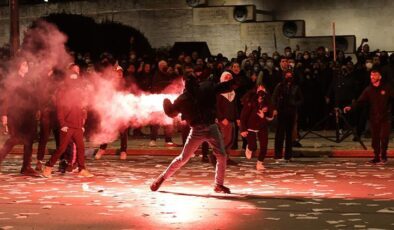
(198, 105)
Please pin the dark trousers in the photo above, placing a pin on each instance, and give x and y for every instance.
(262, 135)
(123, 141)
(380, 132)
(17, 136)
(283, 134)
(75, 135)
(168, 131)
(48, 123)
(228, 133)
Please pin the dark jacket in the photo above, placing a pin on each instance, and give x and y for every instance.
(249, 114)
(226, 109)
(70, 105)
(198, 106)
(287, 97)
(379, 100)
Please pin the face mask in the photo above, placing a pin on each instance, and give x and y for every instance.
(276, 57)
(256, 69)
(306, 56)
(288, 54)
(270, 64)
(368, 65)
(292, 64)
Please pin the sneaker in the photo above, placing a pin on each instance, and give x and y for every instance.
(260, 165)
(221, 189)
(47, 172)
(152, 143)
(383, 161)
(85, 173)
(29, 171)
(373, 161)
(99, 154)
(205, 159)
(156, 184)
(171, 144)
(297, 144)
(248, 153)
(72, 167)
(231, 162)
(63, 166)
(39, 166)
(123, 155)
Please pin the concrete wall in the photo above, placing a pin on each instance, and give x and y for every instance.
(372, 19)
(166, 21)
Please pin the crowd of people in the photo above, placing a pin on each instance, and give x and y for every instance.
(285, 92)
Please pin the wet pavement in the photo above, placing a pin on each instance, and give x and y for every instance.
(309, 193)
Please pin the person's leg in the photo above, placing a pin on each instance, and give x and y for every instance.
(7, 147)
(123, 140)
(385, 137)
(77, 138)
(194, 139)
(103, 146)
(154, 131)
(263, 140)
(279, 137)
(216, 141)
(168, 132)
(289, 126)
(65, 138)
(375, 134)
(45, 129)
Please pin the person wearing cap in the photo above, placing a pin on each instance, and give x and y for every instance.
(287, 97)
(197, 104)
(19, 113)
(71, 114)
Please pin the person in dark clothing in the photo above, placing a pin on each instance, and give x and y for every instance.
(378, 96)
(70, 104)
(256, 113)
(286, 98)
(19, 113)
(48, 120)
(227, 115)
(121, 85)
(198, 106)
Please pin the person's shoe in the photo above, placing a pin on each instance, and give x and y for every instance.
(123, 155)
(248, 153)
(231, 162)
(156, 184)
(29, 171)
(383, 161)
(71, 167)
(221, 189)
(212, 159)
(297, 144)
(260, 165)
(205, 159)
(99, 154)
(152, 143)
(171, 144)
(373, 161)
(85, 173)
(39, 166)
(47, 172)
(63, 166)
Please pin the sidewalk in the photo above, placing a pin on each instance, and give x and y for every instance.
(312, 146)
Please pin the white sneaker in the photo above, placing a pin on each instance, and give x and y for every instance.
(99, 154)
(260, 165)
(85, 173)
(123, 155)
(152, 143)
(248, 153)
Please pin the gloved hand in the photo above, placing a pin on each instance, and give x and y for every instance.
(64, 129)
(169, 108)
